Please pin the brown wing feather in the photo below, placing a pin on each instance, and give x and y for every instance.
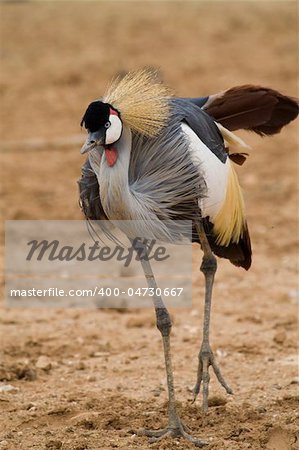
(238, 254)
(262, 110)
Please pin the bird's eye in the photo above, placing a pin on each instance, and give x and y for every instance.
(107, 124)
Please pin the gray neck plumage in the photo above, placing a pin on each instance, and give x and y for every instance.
(127, 208)
(115, 192)
(137, 187)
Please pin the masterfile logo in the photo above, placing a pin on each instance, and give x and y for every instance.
(53, 250)
(79, 264)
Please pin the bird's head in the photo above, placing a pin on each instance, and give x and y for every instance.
(138, 101)
(104, 126)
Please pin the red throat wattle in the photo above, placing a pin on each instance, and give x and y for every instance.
(111, 155)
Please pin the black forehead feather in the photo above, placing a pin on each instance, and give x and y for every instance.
(96, 115)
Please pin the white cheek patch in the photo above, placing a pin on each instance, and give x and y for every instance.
(113, 133)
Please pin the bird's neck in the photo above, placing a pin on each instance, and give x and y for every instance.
(115, 192)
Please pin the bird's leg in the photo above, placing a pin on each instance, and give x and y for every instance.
(175, 426)
(205, 356)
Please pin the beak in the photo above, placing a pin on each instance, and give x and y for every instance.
(95, 139)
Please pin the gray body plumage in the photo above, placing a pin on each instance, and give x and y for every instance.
(164, 182)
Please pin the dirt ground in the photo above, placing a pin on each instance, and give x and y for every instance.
(103, 376)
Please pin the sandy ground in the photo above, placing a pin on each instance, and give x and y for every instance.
(103, 376)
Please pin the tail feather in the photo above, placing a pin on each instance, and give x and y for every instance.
(254, 108)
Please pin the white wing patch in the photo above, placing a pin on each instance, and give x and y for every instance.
(215, 174)
(224, 202)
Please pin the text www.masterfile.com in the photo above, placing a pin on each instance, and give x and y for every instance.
(97, 291)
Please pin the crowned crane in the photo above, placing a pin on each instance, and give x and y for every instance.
(154, 158)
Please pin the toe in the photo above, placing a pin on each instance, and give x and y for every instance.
(220, 378)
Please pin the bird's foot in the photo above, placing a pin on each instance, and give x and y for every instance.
(178, 430)
(206, 359)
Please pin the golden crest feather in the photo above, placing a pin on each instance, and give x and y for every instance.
(142, 100)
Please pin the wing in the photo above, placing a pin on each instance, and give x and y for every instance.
(254, 108)
(238, 253)
(186, 110)
(222, 206)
